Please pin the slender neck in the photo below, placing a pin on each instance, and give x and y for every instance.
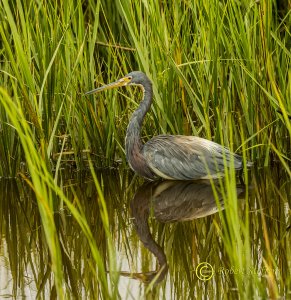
(136, 121)
(133, 144)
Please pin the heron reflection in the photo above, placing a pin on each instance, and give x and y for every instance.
(170, 201)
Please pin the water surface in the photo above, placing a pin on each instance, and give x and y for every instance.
(161, 232)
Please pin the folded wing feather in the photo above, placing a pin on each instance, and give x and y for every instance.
(187, 157)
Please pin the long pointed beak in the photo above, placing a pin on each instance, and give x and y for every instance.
(115, 84)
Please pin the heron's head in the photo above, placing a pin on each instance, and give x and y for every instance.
(132, 78)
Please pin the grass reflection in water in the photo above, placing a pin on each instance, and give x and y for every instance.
(140, 220)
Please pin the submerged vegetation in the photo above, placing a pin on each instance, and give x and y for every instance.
(220, 70)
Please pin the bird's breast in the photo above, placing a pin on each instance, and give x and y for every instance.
(136, 159)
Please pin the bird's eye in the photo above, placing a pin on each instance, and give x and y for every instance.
(126, 80)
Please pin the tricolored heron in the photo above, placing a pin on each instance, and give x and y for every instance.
(169, 156)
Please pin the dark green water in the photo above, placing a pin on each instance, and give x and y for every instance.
(161, 232)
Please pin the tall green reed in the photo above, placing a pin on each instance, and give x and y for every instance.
(49, 196)
(206, 60)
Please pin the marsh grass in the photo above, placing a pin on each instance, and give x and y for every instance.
(212, 65)
(220, 70)
(50, 197)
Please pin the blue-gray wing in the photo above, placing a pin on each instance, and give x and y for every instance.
(187, 157)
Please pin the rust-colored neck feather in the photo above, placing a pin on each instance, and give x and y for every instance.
(133, 143)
